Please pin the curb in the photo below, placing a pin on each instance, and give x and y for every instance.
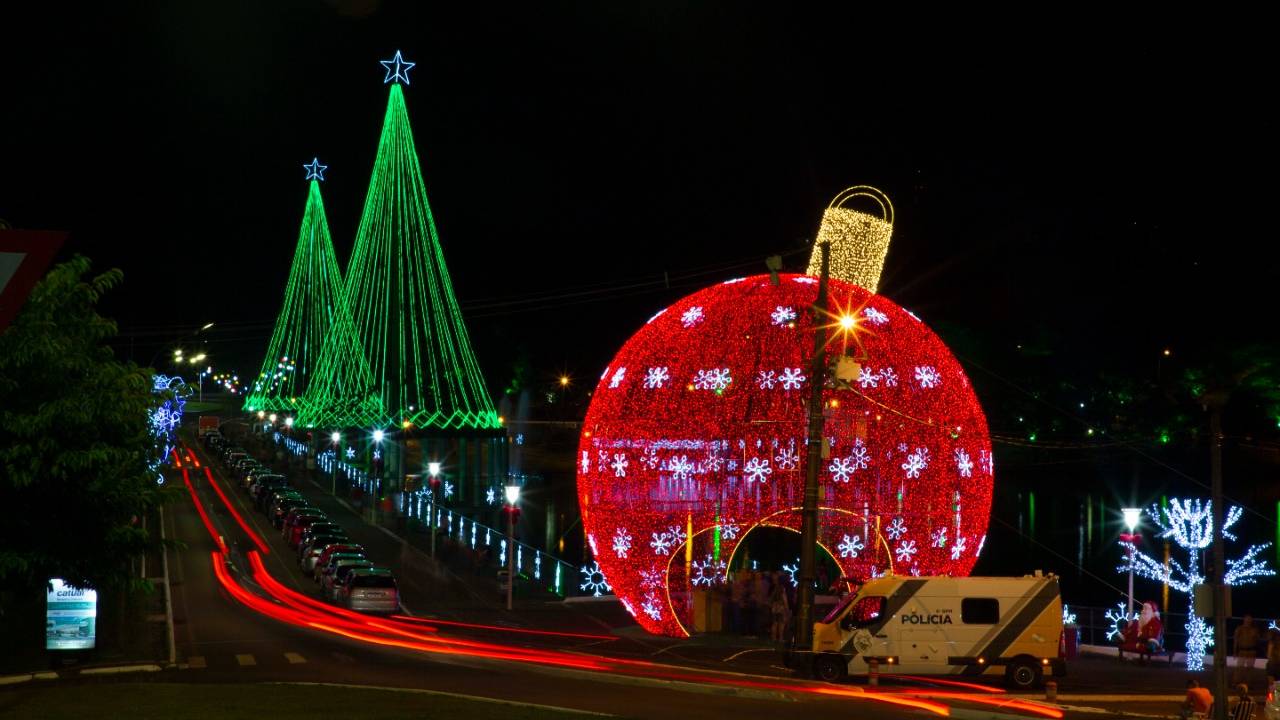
(119, 669)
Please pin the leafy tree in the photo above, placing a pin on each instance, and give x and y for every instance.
(74, 440)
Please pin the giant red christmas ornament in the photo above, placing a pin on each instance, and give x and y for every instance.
(696, 434)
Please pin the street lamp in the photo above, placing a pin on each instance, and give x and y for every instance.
(336, 439)
(1131, 518)
(377, 436)
(513, 496)
(433, 469)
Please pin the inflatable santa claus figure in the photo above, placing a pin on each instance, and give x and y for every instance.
(1150, 628)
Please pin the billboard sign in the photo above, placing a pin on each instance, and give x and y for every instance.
(71, 617)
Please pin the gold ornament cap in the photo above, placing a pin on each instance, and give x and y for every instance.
(859, 240)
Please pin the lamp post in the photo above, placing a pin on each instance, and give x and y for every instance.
(1131, 518)
(513, 496)
(336, 439)
(433, 469)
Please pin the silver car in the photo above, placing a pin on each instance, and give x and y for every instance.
(370, 590)
(331, 584)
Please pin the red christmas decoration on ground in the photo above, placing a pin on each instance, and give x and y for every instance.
(700, 422)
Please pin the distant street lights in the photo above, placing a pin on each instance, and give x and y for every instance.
(513, 512)
(1131, 518)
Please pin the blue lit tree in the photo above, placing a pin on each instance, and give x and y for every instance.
(1189, 524)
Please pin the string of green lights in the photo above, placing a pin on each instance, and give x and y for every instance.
(403, 312)
(312, 298)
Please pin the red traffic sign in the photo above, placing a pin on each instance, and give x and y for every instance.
(24, 256)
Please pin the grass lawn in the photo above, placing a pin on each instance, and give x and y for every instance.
(138, 701)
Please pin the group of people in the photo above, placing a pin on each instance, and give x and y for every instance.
(1246, 640)
(757, 603)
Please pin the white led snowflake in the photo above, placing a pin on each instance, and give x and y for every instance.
(850, 546)
(916, 462)
(680, 467)
(377, 454)
(859, 456)
(661, 544)
(729, 530)
(692, 316)
(874, 315)
(651, 607)
(938, 538)
(841, 469)
(617, 378)
(651, 578)
(957, 548)
(490, 496)
(677, 534)
(707, 572)
(787, 457)
(767, 379)
(621, 542)
(650, 458)
(791, 571)
(713, 379)
(783, 315)
(906, 549)
(713, 462)
(447, 489)
(594, 581)
(656, 377)
(619, 465)
(928, 376)
(757, 470)
(586, 462)
(1119, 620)
(351, 452)
(985, 462)
(791, 378)
(868, 378)
(889, 377)
(1068, 617)
(963, 463)
(896, 529)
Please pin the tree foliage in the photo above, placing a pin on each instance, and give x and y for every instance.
(74, 440)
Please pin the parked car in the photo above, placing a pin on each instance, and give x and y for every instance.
(324, 527)
(263, 486)
(317, 547)
(282, 505)
(249, 477)
(331, 550)
(318, 540)
(300, 525)
(330, 583)
(233, 455)
(370, 590)
(286, 529)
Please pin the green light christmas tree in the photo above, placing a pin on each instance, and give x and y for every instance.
(312, 308)
(402, 305)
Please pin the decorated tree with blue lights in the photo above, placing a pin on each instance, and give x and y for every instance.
(1189, 525)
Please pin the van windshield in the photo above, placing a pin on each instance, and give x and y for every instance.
(839, 608)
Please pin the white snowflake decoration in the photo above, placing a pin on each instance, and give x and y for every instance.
(586, 462)
(841, 469)
(619, 465)
(617, 378)
(1068, 617)
(692, 316)
(594, 581)
(896, 529)
(650, 579)
(791, 378)
(868, 378)
(713, 379)
(889, 377)
(757, 470)
(447, 488)
(650, 458)
(916, 462)
(351, 452)
(963, 463)
(713, 462)
(729, 530)
(1119, 620)
(985, 462)
(621, 542)
(850, 546)
(767, 379)
(928, 376)
(791, 571)
(677, 534)
(680, 467)
(651, 607)
(656, 377)
(858, 456)
(938, 538)
(661, 544)
(783, 315)
(906, 550)
(708, 572)
(377, 454)
(874, 315)
(787, 457)
(957, 548)
(490, 496)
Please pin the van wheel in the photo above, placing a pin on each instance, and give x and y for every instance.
(1024, 675)
(830, 668)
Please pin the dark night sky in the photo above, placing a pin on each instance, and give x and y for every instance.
(1104, 184)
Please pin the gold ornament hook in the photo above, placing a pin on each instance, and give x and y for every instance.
(859, 240)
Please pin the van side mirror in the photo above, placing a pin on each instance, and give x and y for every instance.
(848, 622)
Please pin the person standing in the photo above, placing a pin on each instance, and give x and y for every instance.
(1246, 649)
(780, 609)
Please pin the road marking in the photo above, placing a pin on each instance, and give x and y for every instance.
(477, 698)
(196, 662)
(294, 658)
(246, 660)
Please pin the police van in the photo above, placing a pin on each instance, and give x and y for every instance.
(962, 626)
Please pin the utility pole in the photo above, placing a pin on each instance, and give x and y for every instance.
(809, 511)
(1215, 401)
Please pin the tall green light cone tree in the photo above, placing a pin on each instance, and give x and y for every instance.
(402, 303)
(311, 311)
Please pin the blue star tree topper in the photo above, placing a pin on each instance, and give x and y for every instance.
(315, 171)
(397, 69)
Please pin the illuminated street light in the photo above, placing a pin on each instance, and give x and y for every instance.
(847, 321)
(1131, 518)
(272, 418)
(433, 467)
(513, 495)
(564, 381)
(288, 422)
(336, 437)
(377, 436)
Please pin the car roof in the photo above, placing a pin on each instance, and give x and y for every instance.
(373, 571)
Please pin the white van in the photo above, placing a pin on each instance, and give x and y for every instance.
(963, 626)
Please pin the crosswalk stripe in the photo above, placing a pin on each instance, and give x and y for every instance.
(246, 660)
(294, 658)
(196, 662)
